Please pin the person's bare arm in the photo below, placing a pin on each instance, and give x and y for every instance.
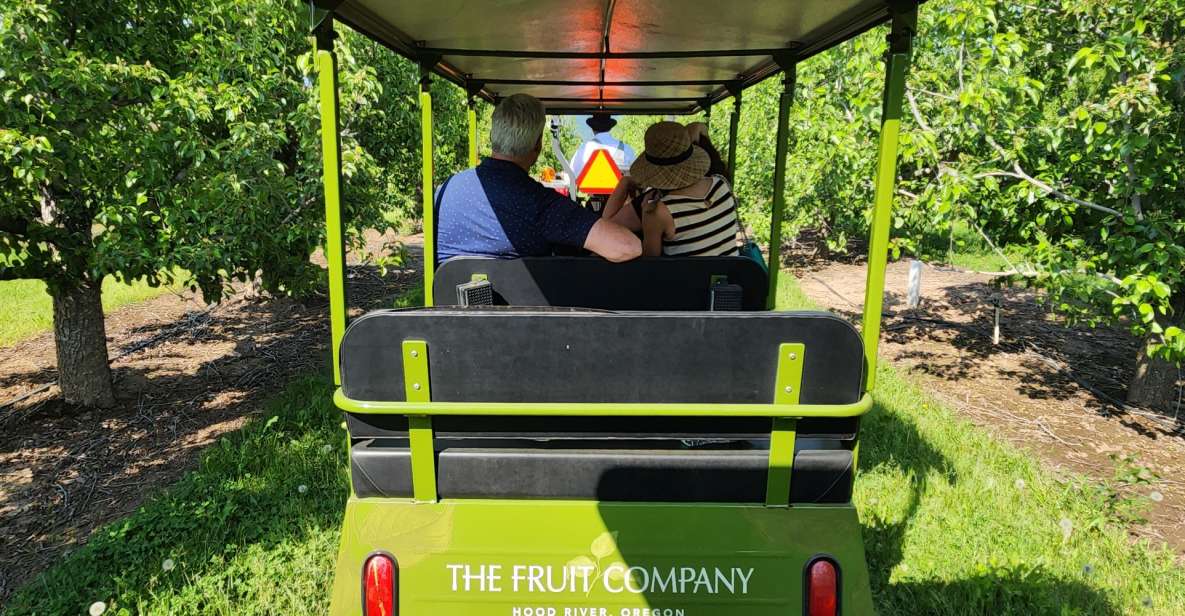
(617, 206)
(613, 242)
(657, 225)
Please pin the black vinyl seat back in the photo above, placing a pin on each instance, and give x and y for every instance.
(658, 283)
(540, 355)
(506, 354)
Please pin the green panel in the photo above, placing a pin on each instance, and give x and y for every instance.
(335, 254)
(780, 150)
(423, 458)
(502, 558)
(417, 387)
(886, 186)
(791, 357)
(788, 384)
(781, 463)
(608, 409)
(415, 371)
(429, 214)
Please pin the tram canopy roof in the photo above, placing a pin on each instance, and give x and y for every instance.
(618, 56)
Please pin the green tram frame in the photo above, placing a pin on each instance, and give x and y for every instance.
(498, 534)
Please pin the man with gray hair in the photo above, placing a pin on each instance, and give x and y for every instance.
(496, 209)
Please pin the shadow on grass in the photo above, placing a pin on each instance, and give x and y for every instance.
(888, 441)
(253, 530)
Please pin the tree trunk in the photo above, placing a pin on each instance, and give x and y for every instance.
(1155, 383)
(80, 338)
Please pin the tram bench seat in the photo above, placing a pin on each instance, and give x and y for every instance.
(659, 283)
(572, 356)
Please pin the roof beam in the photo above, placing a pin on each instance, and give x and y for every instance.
(670, 99)
(621, 111)
(590, 83)
(595, 55)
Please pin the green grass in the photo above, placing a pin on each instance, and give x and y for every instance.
(966, 249)
(241, 534)
(28, 309)
(955, 522)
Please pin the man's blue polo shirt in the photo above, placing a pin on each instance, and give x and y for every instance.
(496, 209)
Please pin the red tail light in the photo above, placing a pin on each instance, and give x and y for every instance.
(378, 586)
(822, 588)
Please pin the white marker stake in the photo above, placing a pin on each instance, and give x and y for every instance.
(915, 283)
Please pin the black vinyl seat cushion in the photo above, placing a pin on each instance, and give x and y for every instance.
(656, 283)
(627, 471)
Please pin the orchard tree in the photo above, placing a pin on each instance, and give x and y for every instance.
(1057, 125)
(139, 138)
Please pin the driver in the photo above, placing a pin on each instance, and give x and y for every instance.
(496, 209)
(601, 125)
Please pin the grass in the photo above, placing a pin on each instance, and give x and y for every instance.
(28, 309)
(955, 522)
(966, 249)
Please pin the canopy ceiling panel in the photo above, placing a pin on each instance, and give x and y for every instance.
(609, 53)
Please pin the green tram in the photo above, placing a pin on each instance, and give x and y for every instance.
(565, 436)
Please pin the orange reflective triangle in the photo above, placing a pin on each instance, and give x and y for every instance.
(600, 174)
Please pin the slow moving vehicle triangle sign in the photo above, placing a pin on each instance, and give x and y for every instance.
(600, 174)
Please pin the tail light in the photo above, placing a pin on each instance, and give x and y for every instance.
(378, 586)
(822, 588)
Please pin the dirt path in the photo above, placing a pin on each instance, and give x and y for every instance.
(186, 373)
(1050, 389)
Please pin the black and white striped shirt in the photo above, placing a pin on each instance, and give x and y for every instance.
(704, 226)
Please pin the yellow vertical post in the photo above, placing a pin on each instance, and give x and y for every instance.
(429, 214)
(781, 150)
(896, 66)
(472, 132)
(331, 177)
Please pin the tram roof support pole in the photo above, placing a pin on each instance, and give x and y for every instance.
(473, 89)
(904, 26)
(426, 164)
(781, 147)
(734, 124)
(472, 115)
(331, 177)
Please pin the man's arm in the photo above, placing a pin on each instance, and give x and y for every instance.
(613, 242)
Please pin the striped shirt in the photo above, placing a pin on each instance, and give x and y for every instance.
(704, 226)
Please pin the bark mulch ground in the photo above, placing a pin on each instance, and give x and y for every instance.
(1054, 390)
(186, 373)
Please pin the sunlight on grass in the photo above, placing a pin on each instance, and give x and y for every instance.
(956, 522)
(241, 535)
(28, 309)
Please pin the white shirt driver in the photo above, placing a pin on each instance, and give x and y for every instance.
(621, 152)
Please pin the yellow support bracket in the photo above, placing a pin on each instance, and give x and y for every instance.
(781, 442)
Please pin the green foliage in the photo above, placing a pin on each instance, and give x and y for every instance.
(1055, 125)
(136, 137)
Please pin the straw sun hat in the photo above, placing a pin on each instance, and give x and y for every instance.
(670, 161)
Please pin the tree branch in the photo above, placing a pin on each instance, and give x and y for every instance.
(917, 115)
(1049, 190)
(1019, 173)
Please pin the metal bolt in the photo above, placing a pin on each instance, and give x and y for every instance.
(415, 353)
(794, 356)
(789, 389)
(416, 387)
